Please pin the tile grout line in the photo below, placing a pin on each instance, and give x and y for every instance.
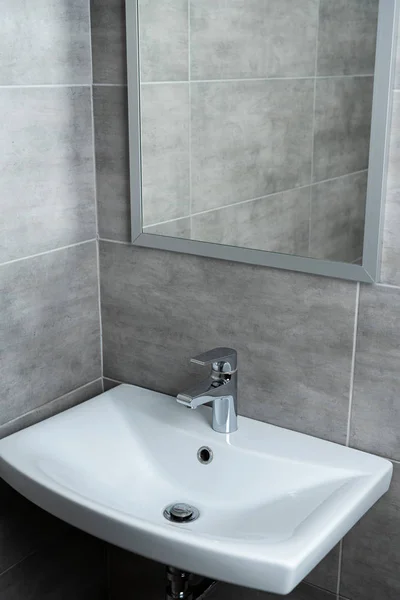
(96, 206)
(109, 241)
(115, 380)
(313, 127)
(64, 85)
(38, 408)
(302, 187)
(387, 285)
(190, 114)
(339, 571)
(45, 86)
(353, 363)
(250, 79)
(15, 260)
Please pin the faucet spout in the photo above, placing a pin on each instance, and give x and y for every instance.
(205, 392)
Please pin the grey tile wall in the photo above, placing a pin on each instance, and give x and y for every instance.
(376, 407)
(49, 325)
(49, 304)
(108, 41)
(111, 147)
(45, 42)
(47, 182)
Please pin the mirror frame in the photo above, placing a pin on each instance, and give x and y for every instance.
(369, 271)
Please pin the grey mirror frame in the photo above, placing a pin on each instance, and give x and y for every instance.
(369, 271)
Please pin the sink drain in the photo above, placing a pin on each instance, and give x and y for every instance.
(181, 513)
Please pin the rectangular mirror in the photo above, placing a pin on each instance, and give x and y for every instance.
(258, 130)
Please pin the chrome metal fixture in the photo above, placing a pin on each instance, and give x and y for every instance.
(205, 455)
(181, 513)
(220, 388)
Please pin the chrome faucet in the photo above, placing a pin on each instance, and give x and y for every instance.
(220, 388)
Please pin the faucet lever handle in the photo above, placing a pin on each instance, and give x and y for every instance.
(222, 359)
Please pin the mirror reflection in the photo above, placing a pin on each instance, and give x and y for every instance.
(255, 122)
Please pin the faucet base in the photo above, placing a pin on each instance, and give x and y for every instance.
(225, 415)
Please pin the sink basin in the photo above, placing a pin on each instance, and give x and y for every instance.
(272, 502)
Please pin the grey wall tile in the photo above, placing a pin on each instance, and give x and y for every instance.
(342, 126)
(165, 152)
(24, 527)
(337, 218)
(49, 328)
(108, 41)
(371, 559)
(161, 308)
(73, 568)
(47, 182)
(376, 408)
(46, 41)
(235, 39)
(132, 573)
(225, 591)
(179, 228)
(278, 223)
(164, 36)
(112, 162)
(249, 139)
(347, 37)
(390, 272)
(52, 408)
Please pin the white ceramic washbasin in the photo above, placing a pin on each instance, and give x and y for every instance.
(272, 502)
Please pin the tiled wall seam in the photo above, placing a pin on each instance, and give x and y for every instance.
(353, 362)
(60, 249)
(95, 195)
